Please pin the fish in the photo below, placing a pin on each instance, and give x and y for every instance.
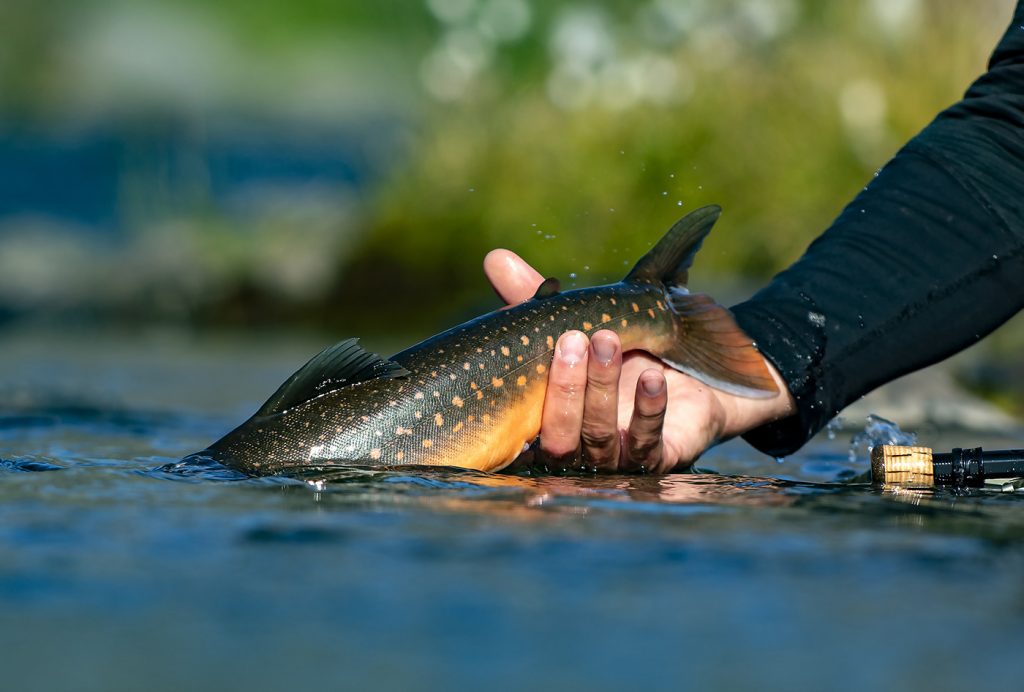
(472, 396)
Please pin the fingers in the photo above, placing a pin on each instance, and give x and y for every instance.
(644, 447)
(599, 434)
(512, 278)
(563, 403)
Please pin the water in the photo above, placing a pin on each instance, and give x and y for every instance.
(117, 576)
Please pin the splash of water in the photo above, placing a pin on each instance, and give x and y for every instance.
(878, 431)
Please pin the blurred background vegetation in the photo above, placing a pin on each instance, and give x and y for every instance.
(345, 164)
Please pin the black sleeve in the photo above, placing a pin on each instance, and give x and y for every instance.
(925, 261)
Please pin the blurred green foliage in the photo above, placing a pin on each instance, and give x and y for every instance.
(779, 112)
(573, 132)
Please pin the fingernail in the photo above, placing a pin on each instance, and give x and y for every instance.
(652, 383)
(571, 348)
(604, 350)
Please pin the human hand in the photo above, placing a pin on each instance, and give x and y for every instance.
(614, 412)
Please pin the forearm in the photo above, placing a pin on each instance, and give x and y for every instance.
(925, 261)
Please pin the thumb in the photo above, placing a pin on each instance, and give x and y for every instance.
(511, 277)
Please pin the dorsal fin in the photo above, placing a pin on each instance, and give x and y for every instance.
(669, 260)
(337, 366)
(549, 288)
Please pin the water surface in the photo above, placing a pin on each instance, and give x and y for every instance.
(116, 575)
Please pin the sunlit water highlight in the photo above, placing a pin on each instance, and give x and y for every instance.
(121, 569)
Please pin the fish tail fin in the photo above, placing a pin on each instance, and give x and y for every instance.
(710, 346)
(706, 342)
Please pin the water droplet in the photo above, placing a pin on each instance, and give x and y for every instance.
(780, 460)
(586, 267)
(833, 426)
(611, 208)
(572, 275)
(679, 203)
(664, 193)
(816, 318)
(472, 189)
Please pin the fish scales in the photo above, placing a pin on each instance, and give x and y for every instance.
(473, 396)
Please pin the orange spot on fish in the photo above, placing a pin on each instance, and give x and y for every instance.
(436, 394)
(605, 317)
(624, 323)
(465, 366)
(479, 394)
(505, 351)
(438, 420)
(541, 369)
(614, 302)
(418, 415)
(399, 455)
(550, 341)
(457, 400)
(587, 326)
(470, 419)
(650, 311)
(636, 308)
(458, 427)
(525, 340)
(433, 373)
(375, 453)
(473, 386)
(661, 306)
(403, 431)
(519, 359)
(427, 444)
(497, 382)
(486, 418)
(521, 380)
(481, 366)
(365, 419)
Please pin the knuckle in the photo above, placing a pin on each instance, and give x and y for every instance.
(648, 419)
(564, 388)
(599, 439)
(644, 447)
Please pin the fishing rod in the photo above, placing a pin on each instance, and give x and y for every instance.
(960, 468)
